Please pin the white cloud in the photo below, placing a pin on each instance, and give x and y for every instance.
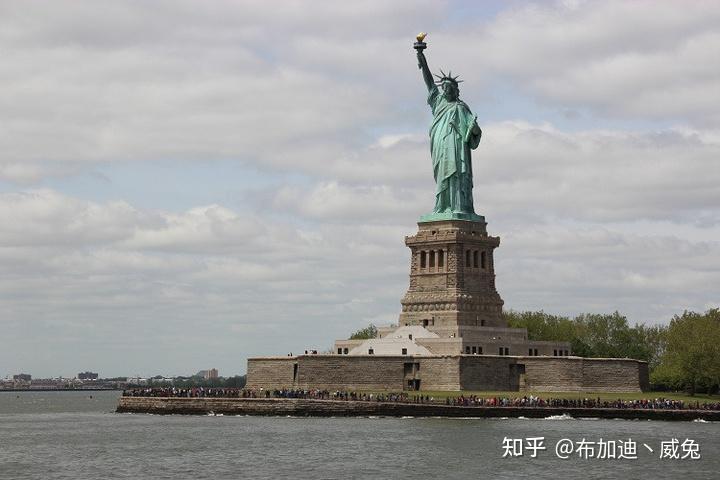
(70, 278)
(598, 175)
(173, 80)
(648, 60)
(44, 217)
(535, 171)
(194, 280)
(647, 277)
(307, 92)
(353, 204)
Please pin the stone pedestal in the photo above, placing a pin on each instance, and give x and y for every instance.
(452, 278)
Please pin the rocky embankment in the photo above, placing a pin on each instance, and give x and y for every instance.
(342, 408)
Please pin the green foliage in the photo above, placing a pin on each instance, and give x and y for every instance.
(591, 335)
(365, 333)
(682, 355)
(654, 339)
(237, 381)
(666, 377)
(692, 353)
(541, 325)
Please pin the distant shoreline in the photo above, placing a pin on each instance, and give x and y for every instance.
(350, 408)
(60, 390)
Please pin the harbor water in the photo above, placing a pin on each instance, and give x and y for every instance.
(77, 435)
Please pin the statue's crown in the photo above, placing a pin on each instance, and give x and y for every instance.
(447, 77)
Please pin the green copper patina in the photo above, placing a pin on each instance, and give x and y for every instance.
(453, 134)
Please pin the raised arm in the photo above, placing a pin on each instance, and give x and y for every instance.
(427, 75)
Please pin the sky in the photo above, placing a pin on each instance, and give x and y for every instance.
(186, 184)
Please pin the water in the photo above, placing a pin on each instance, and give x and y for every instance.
(69, 435)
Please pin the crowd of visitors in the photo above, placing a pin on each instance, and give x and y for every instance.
(219, 392)
(533, 401)
(462, 400)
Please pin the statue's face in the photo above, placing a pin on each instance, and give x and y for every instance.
(450, 91)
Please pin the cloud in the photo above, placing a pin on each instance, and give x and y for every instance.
(294, 90)
(595, 269)
(44, 217)
(99, 274)
(646, 60)
(175, 81)
(118, 278)
(529, 171)
(353, 204)
(599, 175)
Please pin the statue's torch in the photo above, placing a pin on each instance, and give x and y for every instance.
(420, 45)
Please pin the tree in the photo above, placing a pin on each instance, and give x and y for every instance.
(594, 335)
(238, 381)
(655, 340)
(365, 333)
(541, 325)
(692, 353)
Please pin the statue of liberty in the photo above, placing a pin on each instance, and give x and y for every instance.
(453, 134)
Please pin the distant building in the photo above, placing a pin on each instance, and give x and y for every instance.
(208, 374)
(22, 377)
(137, 380)
(87, 376)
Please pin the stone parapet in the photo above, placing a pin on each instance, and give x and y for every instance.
(336, 408)
(569, 374)
(448, 373)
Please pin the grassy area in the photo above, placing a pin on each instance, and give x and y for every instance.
(604, 396)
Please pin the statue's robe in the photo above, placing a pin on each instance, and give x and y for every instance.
(451, 140)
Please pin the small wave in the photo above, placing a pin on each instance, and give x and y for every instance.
(407, 416)
(564, 416)
(443, 417)
(700, 420)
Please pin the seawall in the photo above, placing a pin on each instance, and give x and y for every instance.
(341, 408)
